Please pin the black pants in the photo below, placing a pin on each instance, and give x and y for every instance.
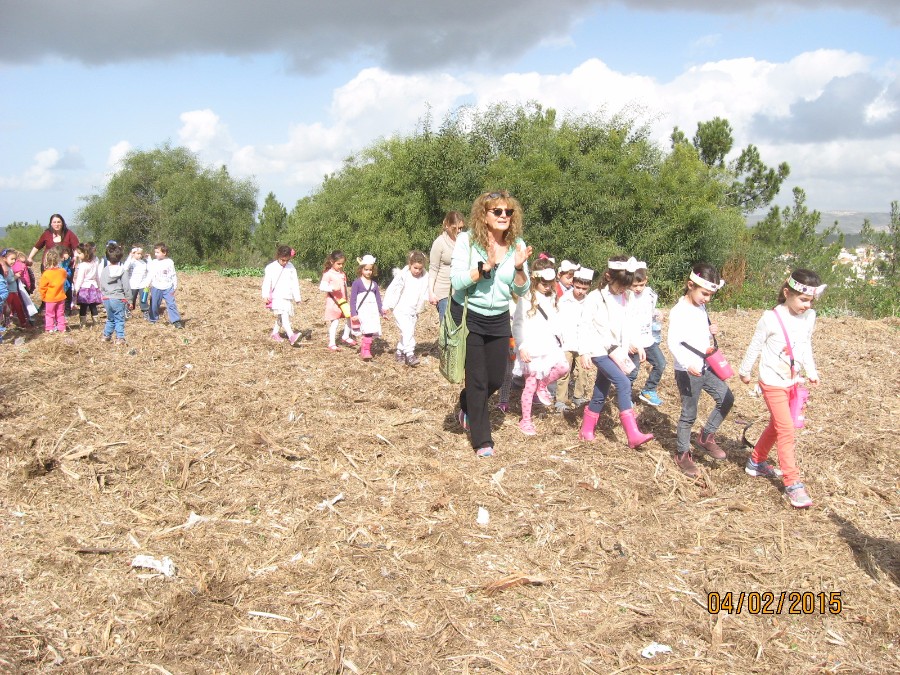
(486, 357)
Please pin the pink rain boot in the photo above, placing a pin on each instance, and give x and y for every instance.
(635, 436)
(365, 350)
(588, 424)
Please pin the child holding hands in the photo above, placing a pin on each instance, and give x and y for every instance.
(783, 342)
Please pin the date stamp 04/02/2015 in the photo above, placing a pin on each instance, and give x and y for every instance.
(787, 602)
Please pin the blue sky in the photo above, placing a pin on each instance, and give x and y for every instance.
(283, 92)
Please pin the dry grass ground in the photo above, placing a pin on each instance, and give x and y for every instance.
(223, 451)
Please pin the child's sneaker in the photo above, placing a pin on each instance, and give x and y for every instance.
(798, 496)
(412, 360)
(276, 337)
(350, 342)
(106, 338)
(503, 407)
(400, 357)
(120, 342)
(463, 420)
(543, 395)
(561, 406)
(650, 398)
(580, 401)
(486, 451)
(294, 338)
(333, 348)
(762, 469)
(527, 428)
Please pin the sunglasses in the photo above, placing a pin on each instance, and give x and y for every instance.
(499, 212)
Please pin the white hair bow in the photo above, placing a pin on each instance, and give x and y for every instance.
(631, 265)
(367, 259)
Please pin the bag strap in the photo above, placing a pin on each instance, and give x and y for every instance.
(786, 339)
(697, 351)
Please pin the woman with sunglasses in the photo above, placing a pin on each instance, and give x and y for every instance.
(489, 264)
(439, 262)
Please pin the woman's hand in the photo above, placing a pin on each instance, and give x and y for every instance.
(432, 298)
(585, 361)
(523, 253)
(524, 356)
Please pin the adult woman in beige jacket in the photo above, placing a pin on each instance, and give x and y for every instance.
(439, 261)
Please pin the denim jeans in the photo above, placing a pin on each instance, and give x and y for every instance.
(690, 387)
(657, 365)
(115, 317)
(156, 297)
(609, 373)
(441, 308)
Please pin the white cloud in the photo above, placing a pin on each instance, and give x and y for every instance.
(835, 171)
(38, 176)
(117, 154)
(203, 131)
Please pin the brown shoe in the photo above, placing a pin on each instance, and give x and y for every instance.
(707, 443)
(686, 464)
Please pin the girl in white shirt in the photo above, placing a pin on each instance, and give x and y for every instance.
(603, 340)
(690, 331)
(281, 291)
(406, 297)
(536, 329)
(783, 343)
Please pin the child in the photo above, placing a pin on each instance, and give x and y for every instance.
(643, 314)
(689, 326)
(163, 283)
(571, 305)
(784, 337)
(365, 304)
(87, 284)
(115, 291)
(406, 296)
(52, 287)
(334, 283)
(67, 263)
(536, 329)
(603, 339)
(137, 269)
(13, 300)
(280, 290)
(564, 283)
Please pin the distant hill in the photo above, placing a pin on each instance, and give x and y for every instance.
(848, 222)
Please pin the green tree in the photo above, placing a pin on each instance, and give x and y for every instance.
(714, 140)
(886, 244)
(270, 228)
(203, 214)
(591, 186)
(21, 236)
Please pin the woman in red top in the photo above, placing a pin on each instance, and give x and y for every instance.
(56, 234)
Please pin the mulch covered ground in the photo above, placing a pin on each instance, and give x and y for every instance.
(321, 514)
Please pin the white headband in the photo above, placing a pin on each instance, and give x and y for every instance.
(708, 285)
(815, 291)
(367, 259)
(584, 274)
(568, 266)
(545, 274)
(630, 265)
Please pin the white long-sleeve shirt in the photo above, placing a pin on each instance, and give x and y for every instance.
(640, 314)
(87, 275)
(604, 323)
(162, 274)
(138, 273)
(688, 323)
(535, 334)
(769, 344)
(407, 294)
(570, 310)
(281, 285)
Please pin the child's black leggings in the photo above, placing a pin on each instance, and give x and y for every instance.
(83, 308)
